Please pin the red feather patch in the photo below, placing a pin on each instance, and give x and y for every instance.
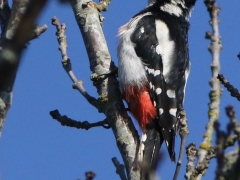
(140, 105)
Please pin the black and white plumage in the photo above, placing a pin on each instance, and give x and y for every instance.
(153, 70)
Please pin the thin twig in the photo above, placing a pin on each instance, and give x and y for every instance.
(62, 41)
(221, 141)
(38, 31)
(66, 121)
(234, 123)
(183, 135)
(120, 169)
(234, 91)
(90, 175)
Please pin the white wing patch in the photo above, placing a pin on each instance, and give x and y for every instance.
(187, 71)
(150, 71)
(166, 46)
(157, 72)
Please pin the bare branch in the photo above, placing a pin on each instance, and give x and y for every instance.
(202, 166)
(38, 31)
(230, 141)
(66, 121)
(183, 135)
(112, 106)
(233, 122)
(191, 156)
(90, 175)
(102, 6)
(120, 169)
(215, 93)
(5, 103)
(62, 40)
(228, 164)
(234, 91)
(231, 165)
(16, 35)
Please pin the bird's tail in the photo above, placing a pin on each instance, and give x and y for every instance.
(148, 155)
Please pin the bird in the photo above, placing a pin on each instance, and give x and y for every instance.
(153, 68)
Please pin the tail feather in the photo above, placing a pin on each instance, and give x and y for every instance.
(169, 138)
(151, 142)
(168, 131)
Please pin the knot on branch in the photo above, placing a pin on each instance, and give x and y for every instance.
(191, 150)
(208, 35)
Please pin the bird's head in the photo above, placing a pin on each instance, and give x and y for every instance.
(175, 7)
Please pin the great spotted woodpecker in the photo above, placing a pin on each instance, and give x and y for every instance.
(153, 70)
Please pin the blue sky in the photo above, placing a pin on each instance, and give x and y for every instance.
(35, 147)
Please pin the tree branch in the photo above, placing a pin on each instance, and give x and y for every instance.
(120, 169)
(102, 6)
(191, 152)
(38, 31)
(234, 91)
(228, 164)
(183, 135)
(215, 93)
(112, 106)
(13, 42)
(62, 41)
(66, 121)
(90, 175)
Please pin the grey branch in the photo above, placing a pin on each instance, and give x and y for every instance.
(66, 121)
(90, 175)
(191, 152)
(87, 17)
(234, 91)
(102, 6)
(202, 166)
(228, 165)
(38, 31)
(120, 169)
(234, 125)
(183, 135)
(13, 40)
(215, 93)
(62, 41)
